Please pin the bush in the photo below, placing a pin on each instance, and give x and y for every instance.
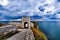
(4, 37)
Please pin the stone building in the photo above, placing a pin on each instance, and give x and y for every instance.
(24, 23)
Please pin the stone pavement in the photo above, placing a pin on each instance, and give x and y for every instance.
(25, 34)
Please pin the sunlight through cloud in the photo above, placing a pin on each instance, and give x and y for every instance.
(4, 2)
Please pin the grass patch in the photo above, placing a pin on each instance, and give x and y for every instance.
(38, 34)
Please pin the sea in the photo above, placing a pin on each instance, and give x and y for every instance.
(51, 29)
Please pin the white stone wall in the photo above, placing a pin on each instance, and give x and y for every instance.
(26, 19)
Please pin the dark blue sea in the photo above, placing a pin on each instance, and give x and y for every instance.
(51, 29)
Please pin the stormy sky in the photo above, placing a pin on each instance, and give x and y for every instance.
(36, 9)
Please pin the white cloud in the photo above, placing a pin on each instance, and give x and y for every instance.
(4, 2)
(15, 8)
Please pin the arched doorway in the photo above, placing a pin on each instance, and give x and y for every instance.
(26, 25)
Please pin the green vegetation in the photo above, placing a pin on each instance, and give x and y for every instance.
(38, 34)
(4, 37)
